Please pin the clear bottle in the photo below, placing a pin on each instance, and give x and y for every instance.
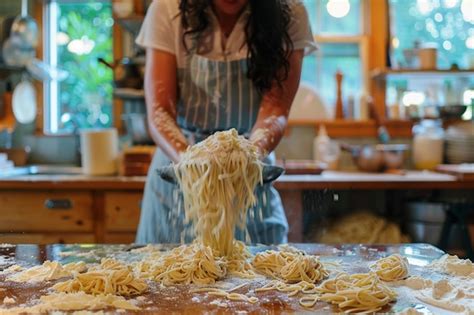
(428, 144)
(321, 145)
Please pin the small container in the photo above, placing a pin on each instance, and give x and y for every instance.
(428, 144)
(428, 58)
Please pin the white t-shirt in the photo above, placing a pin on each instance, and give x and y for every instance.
(162, 30)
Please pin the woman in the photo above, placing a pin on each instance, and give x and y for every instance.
(214, 65)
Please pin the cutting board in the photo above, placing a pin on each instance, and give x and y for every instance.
(302, 167)
(463, 172)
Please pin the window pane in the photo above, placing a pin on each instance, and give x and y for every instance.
(319, 70)
(325, 16)
(441, 22)
(81, 33)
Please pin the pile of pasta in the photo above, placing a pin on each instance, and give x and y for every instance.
(110, 277)
(290, 267)
(363, 228)
(363, 292)
(391, 268)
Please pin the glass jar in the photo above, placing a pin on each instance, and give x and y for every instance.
(428, 144)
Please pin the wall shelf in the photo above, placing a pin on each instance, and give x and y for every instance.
(342, 128)
(7, 70)
(129, 94)
(381, 74)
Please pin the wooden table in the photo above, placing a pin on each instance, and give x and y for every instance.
(179, 300)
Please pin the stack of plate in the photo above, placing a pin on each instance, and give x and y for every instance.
(460, 144)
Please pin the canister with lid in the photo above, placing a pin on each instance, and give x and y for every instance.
(428, 144)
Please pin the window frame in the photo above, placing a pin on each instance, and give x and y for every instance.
(362, 40)
(50, 103)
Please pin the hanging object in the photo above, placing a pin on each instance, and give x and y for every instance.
(339, 105)
(338, 8)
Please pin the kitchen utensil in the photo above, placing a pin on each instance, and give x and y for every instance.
(15, 53)
(382, 132)
(377, 158)
(302, 167)
(127, 72)
(25, 27)
(269, 173)
(44, 72)
(452, 111)
(24, 102)
(461, 171)
(137, 128)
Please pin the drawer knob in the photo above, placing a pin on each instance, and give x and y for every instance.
(58, 204)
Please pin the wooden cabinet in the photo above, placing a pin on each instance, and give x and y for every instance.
(46, 216)
(46, 211)
(122, 214)
(122, 211)
(69, 216)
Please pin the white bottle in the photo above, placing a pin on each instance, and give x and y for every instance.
(321, 145)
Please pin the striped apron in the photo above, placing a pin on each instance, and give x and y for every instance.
(213, 96)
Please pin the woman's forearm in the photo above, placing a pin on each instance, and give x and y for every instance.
(160, 93)
(166, 133)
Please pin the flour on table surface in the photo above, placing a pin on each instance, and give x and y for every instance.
(9, 300)
(452, 265)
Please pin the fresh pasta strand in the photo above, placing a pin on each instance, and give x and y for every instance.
(391, 268)
(356, 293)
(229, 294)
(218, 177)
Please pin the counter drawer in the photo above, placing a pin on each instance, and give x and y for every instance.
(122, 211)
(120, 238)
(46, 211)
(47, 238)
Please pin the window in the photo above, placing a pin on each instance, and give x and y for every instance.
(446, 25)
(340, 34)
(78, 32)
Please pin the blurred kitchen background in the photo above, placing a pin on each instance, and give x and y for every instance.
(399, 73)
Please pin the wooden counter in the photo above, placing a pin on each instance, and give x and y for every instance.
(106, 209)
(327, 180)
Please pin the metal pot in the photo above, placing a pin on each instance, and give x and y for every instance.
(377, 158)
(137, 128)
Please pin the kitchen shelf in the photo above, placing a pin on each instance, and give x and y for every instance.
(380, 74)
(7, 70)
(132, 23)
(129, 94)
(345, 128)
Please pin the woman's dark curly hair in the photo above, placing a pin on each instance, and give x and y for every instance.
(269, 44)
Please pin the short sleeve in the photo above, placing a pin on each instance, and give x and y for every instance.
(156, 31)
(300, 29)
